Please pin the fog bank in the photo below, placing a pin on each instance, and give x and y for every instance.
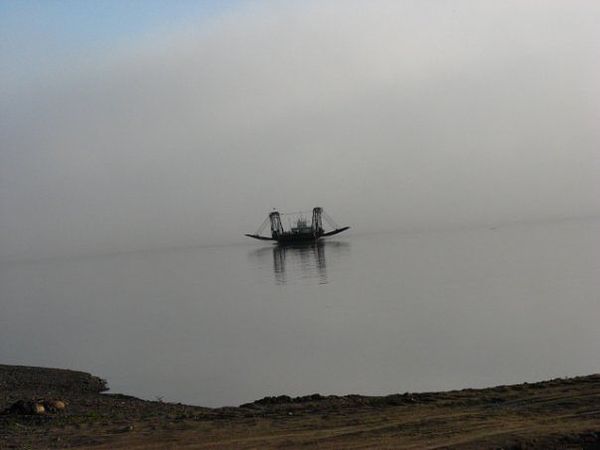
(407, 115)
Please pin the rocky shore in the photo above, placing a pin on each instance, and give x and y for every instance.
(74, 411)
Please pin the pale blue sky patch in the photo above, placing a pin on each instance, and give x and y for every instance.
(40, 38)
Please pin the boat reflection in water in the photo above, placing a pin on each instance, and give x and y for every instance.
(306, 261)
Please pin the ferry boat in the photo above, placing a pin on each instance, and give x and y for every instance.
(299, 229)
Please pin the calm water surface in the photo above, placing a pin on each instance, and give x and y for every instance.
(368, 314)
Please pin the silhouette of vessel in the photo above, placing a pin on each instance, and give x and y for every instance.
(299, 230)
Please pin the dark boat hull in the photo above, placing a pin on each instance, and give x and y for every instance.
(295, 238)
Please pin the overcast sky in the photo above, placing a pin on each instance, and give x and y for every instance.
(128, 125)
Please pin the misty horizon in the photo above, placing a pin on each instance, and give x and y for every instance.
(391, 116)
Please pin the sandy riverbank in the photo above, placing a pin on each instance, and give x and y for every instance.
(555, 414)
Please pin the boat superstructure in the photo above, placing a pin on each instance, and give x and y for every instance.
(299, 229)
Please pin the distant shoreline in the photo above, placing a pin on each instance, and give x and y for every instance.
(559, 413)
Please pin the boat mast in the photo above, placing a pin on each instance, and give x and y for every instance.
(276, 226)
(317, 221)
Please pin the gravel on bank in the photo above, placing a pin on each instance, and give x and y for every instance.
(554, 414)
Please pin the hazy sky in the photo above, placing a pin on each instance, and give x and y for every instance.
(127, 125)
